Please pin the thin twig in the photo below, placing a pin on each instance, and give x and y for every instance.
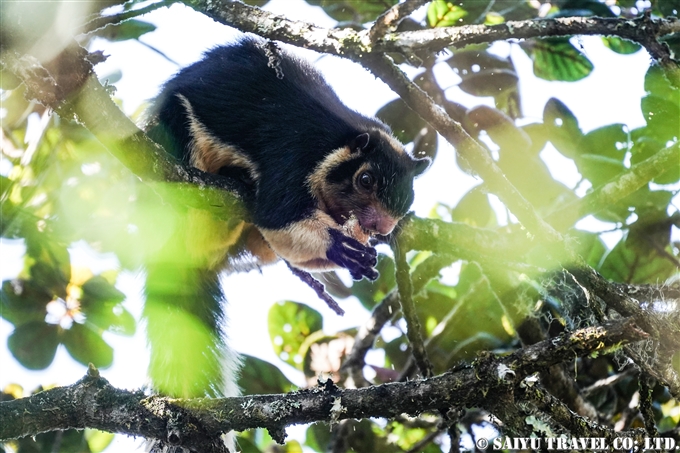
(104, 21)
(414, 332)
(390, 19)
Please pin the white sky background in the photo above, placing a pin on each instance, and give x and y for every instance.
(610, 94)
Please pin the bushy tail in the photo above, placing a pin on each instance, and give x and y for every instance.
(184, 316)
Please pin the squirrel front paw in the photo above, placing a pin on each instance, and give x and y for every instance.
(351, 254)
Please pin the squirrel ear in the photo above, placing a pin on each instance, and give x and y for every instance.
(421, 165)
(360, 142)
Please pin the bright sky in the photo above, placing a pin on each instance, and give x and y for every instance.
(611, 94)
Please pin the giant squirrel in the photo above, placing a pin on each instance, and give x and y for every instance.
(318, 179)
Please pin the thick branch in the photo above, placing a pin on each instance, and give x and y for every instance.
(623, 185)
(93, 403)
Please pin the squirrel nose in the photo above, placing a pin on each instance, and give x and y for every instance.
(383, 224)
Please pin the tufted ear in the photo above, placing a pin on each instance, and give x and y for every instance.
(360, 142)
(421, 165)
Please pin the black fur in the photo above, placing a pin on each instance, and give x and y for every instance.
(285, 118)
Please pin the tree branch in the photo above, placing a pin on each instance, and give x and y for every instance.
(93, 403)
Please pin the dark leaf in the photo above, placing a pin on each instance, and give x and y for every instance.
(23, 301)
(87, 346)
(370, 293)
(562, 128)
(404, 122)
(34, 344)
(70, 441)
(260, 377)
(500, 127)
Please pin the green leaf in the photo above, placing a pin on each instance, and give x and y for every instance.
(474, 209)
(22, 301)
(130, 29)
(658, 84)
(34, 344)
(598, 169)
(499, 127)
(644, 147)
(590, 247)
(290, 323)
(622, 46)
(611, 141)
(318, 436)
(370, 293)
(441, 13)
(353, 11)
(405, 123)
(260, 377)
(662, 117)
(561, 127)
(87, 346)
(557, 59)
(69, 441)
(632, 261)
(98, 440)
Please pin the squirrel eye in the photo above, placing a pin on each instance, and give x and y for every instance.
(366, 180)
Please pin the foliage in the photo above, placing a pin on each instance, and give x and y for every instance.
(60, 187)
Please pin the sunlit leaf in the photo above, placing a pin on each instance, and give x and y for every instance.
(619, 45)
(98, 440)
(662, 116)
(290, 323)
(441, 13)
(557, 59)
(474, 208)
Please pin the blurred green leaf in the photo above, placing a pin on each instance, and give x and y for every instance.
(353, 11)
(619, 45)
(97, 440)
(130, 29)
(561, 127)
(70, 441)
(557, 59)
(662, 116)
(441, 13)
(318, 436)
(23, 301)
(370, 293)
(260, 377)
(599, 169)
(290, 323)
(34, 344)
(474, 209)
(610, 141)
(87, 346)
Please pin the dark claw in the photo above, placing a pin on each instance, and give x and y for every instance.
(351, 254)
